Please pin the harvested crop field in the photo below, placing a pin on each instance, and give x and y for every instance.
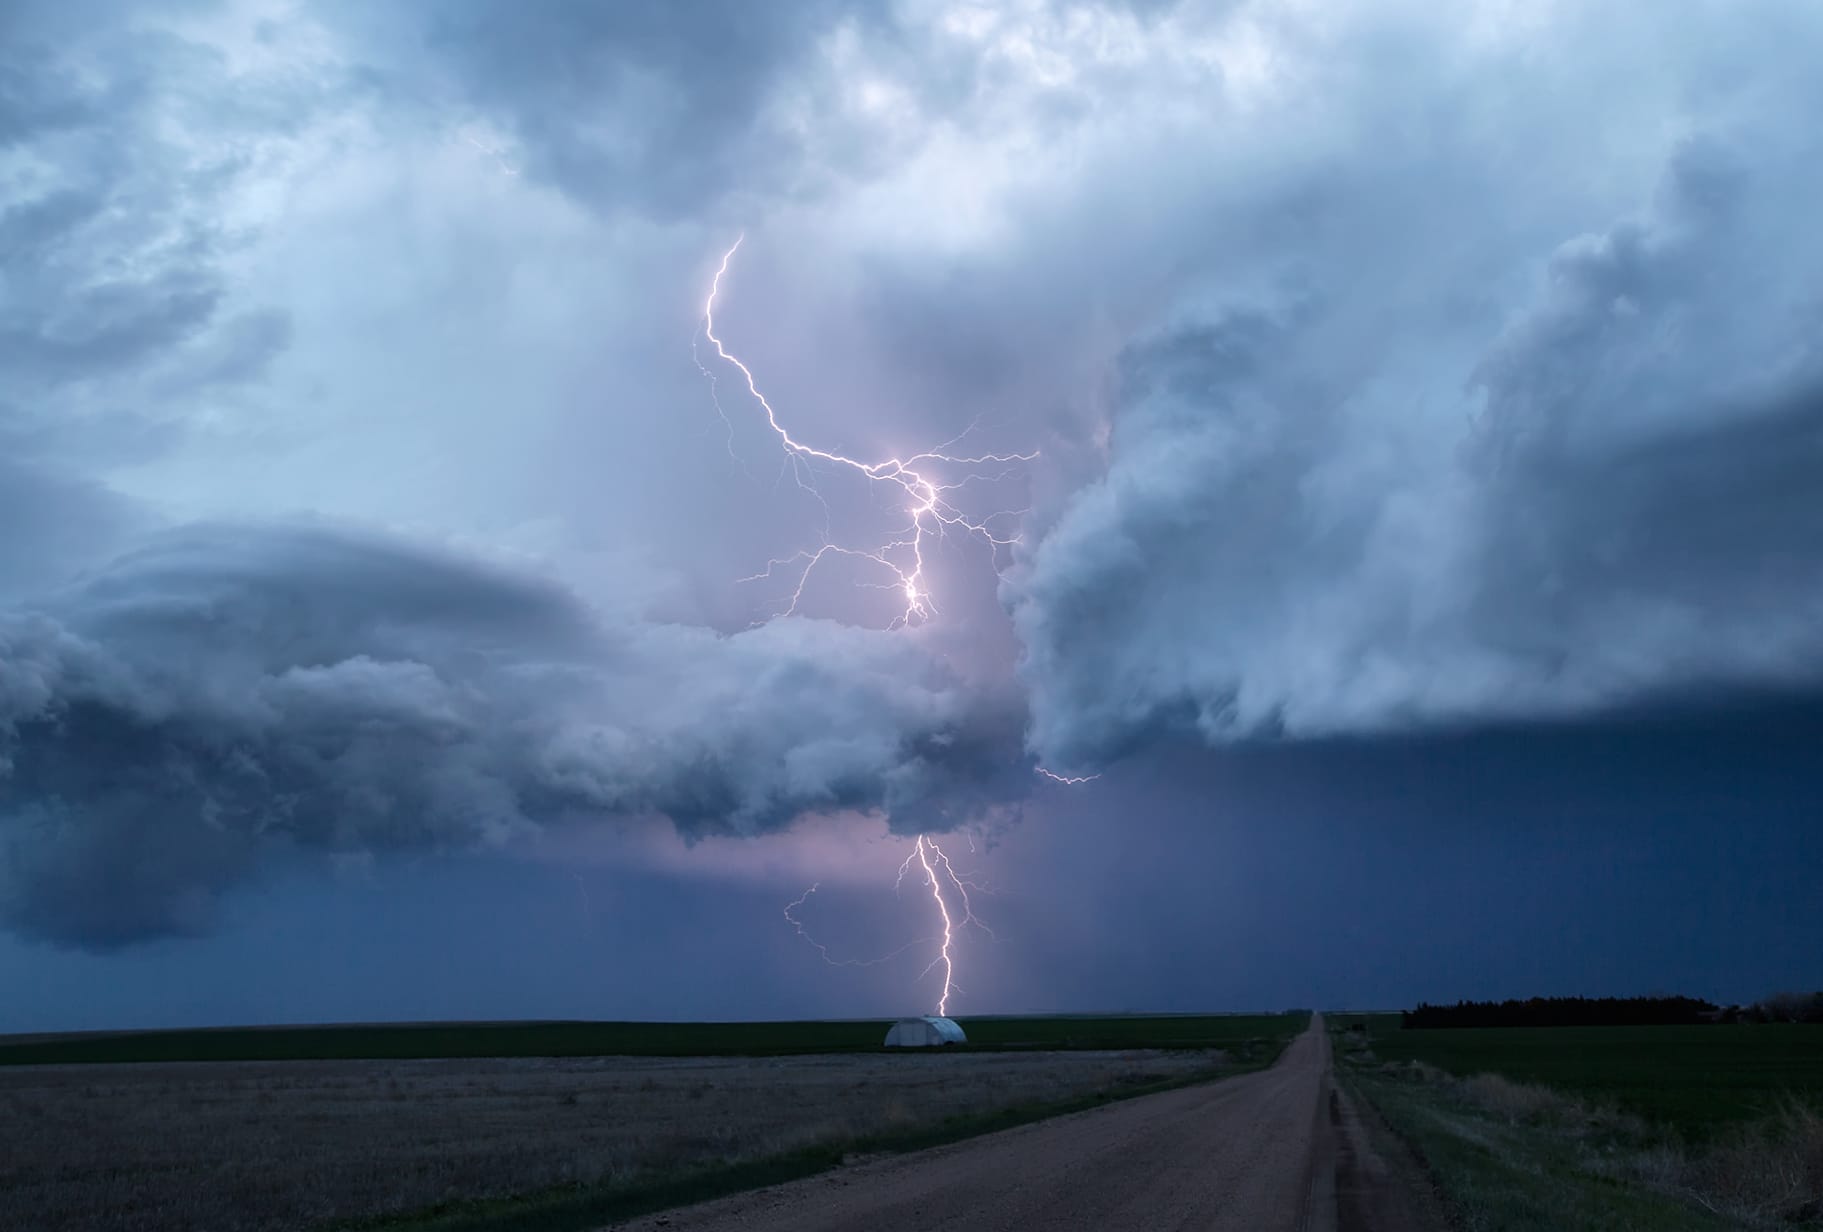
(303, 1143)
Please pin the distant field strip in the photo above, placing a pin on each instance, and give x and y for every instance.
(627, 1039)
(533, 1142)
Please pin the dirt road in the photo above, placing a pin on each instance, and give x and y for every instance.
(1253, 1153)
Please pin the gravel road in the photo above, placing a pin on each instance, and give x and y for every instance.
(1248, 1154)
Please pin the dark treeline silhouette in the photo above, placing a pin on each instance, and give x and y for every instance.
(1780, 1007)
(1565, 1012)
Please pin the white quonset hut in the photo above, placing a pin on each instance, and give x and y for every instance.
(926, 1032)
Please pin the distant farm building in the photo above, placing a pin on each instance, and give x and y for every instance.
(927, 1032)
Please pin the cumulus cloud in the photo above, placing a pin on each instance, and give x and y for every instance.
(227, 692)
(179, 706)
(1382, 377)
(1601, 499)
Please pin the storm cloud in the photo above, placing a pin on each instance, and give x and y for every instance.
(227, 690)
(666, 109)
(118, 222)
(1392, 370)
(1590, 485)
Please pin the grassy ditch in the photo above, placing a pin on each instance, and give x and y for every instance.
(1519, 1156)
(1698, 1080)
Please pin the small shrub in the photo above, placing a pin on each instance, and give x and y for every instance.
(895, 1114)
(1420, 1072)
(1517, 1101)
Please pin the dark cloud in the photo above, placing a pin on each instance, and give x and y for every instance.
(1287, 541)
(37, 94)
(227, 692)
(56, 522)
(664, 108)
(114, 250)
(1382, 451)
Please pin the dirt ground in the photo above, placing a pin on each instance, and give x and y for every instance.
(1379, 1185)
(232, 1145)
(1274, 1151)
(1235, 1155)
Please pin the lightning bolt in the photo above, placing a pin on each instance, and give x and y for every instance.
(797, 903)
(949, 891)
(493, 152)
(1066, 779)
(924, 482)
(930, 858)
(582, 891)
(949, 933)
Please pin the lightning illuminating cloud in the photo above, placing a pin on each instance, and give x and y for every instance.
(924, 481)
(492, 151)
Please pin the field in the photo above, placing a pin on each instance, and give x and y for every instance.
(1695, 1079)
(625, 1039)
(549, 1142)
(1658, 1128)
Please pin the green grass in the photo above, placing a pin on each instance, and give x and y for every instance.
(580, 1039)
(1227, 1031)
(1608, 1128)
(1697, 1080)
(1509, 1175)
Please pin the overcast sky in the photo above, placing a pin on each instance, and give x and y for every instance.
(1381, 442)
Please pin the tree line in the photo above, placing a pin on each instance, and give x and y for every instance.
(1613, 1012)
(1564, 1012)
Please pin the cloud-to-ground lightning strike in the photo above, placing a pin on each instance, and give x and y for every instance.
(923, 851)
(949, 891)
(925, 480)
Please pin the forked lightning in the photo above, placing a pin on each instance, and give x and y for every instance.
(925, 483)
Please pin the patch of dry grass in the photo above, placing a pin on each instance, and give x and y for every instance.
(1769, 1174)
(287, 1145)
(1515, 1101)
(1766, 1174)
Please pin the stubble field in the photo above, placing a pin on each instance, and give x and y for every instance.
(302, 1144)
